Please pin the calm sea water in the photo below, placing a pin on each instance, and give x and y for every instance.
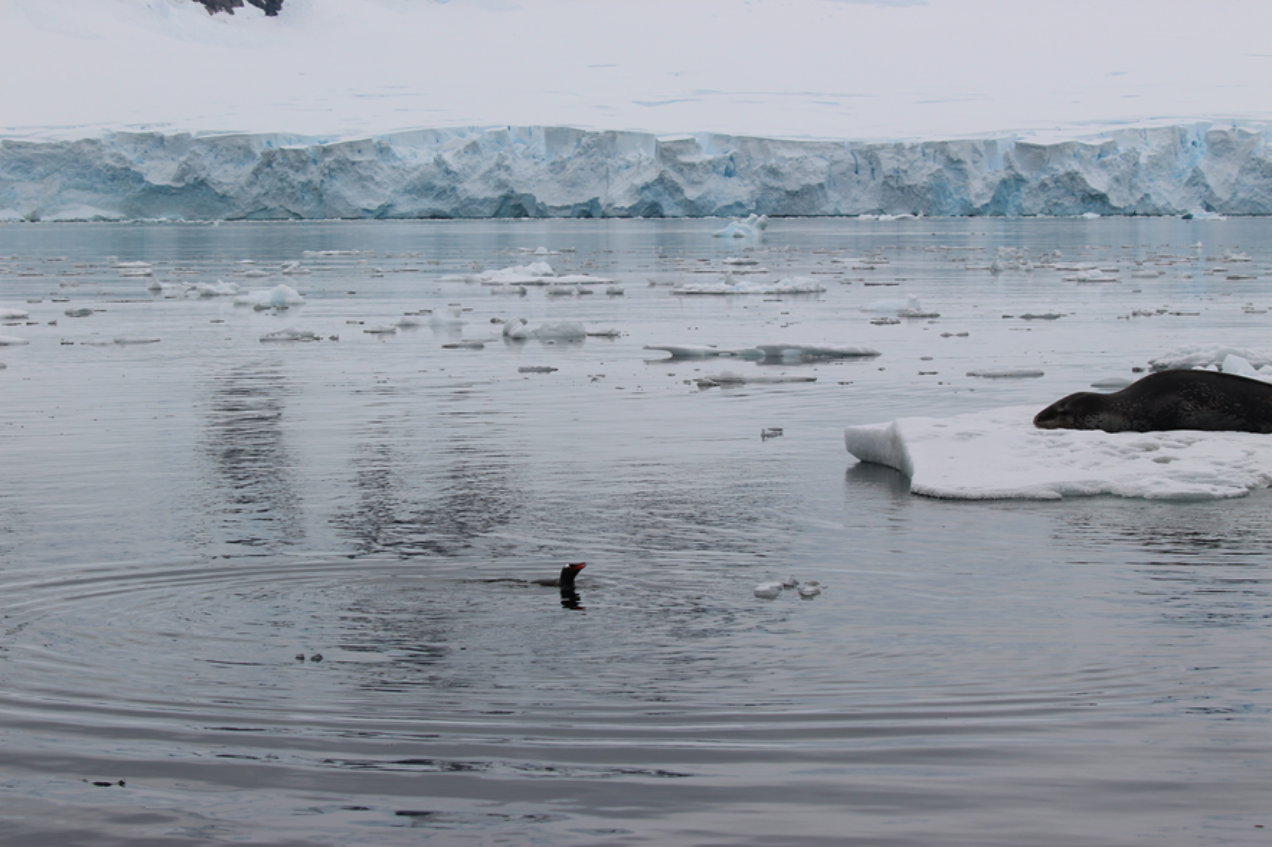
(187, 525)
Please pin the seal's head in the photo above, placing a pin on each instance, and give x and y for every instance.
(1083, 410)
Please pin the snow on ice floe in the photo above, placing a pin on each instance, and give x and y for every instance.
(731, 285)
(14, 314)
(999, 454)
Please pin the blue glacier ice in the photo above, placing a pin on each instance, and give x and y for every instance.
(1201, 168)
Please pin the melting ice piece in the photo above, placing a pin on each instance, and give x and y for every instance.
(281, 295)
(290, 334)
(13, 315)
(218, 289)
(1007, 373)
(812, 352)
(692, 351)
(12, 341)
(731, 378)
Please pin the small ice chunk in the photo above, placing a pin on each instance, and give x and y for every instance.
(768, 590)
(808, 592)
(12, 341)
(13, 315)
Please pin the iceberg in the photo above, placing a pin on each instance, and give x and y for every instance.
(556, 171)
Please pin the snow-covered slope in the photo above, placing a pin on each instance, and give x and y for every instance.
(538, 171)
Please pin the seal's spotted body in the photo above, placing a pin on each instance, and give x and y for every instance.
(1203, 400)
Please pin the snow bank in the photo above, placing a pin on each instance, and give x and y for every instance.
(565, 172)
(999, 454)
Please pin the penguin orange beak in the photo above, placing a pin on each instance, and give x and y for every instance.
(578, 566)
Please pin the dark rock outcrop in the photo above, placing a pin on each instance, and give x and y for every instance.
(270, 7)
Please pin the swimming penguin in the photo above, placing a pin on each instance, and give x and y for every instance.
(566, 580)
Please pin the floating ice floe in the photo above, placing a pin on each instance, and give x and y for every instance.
(730, 378)
(535, 273)
(14, 315)
(12, 341)
(136, 339)
(1209, 355)
(751, 227)
(1006, 373)
(280, 296)
(219, 288)
(895, 305)
(380, 329)
(768, 352)
(730, 285)
(999, 454)
(290, 334)
(520, 330)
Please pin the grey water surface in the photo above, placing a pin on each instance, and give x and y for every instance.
(260, 592)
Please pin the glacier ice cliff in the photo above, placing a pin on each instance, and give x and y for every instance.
(567, 172)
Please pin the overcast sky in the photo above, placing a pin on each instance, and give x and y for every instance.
(798, 68)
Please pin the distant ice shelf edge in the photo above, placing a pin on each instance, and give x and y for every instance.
(510, 172)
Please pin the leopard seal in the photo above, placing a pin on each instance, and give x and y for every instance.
(1183, 399)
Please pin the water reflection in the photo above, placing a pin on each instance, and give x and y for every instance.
(431, 488)
(246, 443)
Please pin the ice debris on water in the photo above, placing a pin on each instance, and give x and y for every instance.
(729, 378)
(770, 432)
(731, 285)
(768, 353)
(290, 334)
(12, 341)
(773, 589)
(13, 315)
(1007, 373)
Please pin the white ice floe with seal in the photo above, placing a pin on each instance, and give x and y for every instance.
(999, 454)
